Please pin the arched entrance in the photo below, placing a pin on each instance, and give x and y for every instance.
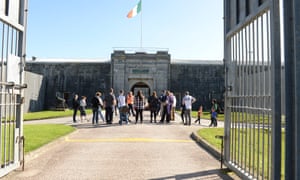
(141, 86)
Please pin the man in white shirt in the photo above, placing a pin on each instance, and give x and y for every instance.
(187, 101)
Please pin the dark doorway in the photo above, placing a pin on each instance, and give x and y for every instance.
(141, 86)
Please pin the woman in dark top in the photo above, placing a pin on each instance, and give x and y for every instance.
(153, 103)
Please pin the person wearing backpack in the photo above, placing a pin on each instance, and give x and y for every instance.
(214, 113)
(214, 121)
(109, 104)
(96, 106)
(215, 105)
(123, 109)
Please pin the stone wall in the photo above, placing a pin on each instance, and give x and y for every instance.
(48, 80)
(65, 79)
(203, 79)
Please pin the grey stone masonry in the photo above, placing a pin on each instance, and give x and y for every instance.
(66, 79)
(203, 81)
(60, 78)
(130, 70)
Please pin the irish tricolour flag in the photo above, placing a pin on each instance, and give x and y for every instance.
(134, 11)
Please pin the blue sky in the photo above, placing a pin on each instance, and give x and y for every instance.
(189, 29)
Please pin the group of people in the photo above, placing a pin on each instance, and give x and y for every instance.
(135, 105)
(98, 105)
(126, 105)
(130, 105)
(164, 105)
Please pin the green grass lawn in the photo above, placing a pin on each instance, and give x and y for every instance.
(208, 134)
(206, 115)
(50, 114)
(40, 134)
(37, 135)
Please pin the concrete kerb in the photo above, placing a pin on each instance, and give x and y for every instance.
(204, 144)
(214, 152)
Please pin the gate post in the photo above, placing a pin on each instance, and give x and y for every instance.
(292, 88)
(228, 84)
(276, 90)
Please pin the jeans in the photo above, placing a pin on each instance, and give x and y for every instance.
(153, 115)
(74, 114)
(95, 116)
(138, 112)
(123, 116)
(109, 114)
(187, 115)
(131, 109)
(163, 113)
(100, 113)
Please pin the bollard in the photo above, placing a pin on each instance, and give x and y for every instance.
(222, 139)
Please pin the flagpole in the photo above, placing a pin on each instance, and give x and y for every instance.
(141, 43)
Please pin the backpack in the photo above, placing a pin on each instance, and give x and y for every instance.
(95, 102)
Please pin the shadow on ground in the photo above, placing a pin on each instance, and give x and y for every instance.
(210, 174)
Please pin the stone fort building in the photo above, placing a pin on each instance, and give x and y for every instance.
(50, 80)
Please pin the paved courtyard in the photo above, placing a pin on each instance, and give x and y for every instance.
(134, 151)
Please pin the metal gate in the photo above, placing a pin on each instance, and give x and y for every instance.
(252, 57)
(12, 62)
